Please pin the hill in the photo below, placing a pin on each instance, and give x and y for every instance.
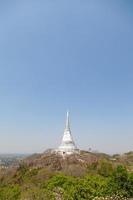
(82, 161)
(67, 164)
(86, 176)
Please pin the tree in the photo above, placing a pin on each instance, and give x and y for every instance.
(105, 168)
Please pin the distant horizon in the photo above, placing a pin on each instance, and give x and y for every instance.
(45, 149)
(32, 153)
(56, 55)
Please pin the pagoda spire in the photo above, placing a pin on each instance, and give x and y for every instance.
(67, 127)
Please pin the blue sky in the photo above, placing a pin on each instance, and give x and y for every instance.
(59, 55)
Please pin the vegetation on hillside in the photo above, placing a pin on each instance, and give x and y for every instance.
(97, 180)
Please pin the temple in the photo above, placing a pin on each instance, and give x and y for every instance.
(67, 145)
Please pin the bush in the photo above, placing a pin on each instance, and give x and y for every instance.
(10, 193)
(105, 168)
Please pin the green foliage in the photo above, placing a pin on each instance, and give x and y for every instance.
(78, 188)
(35, 193)
(10, 192)
(41, 184)
(120, 183)
(130, 185)
(105, 168)
(120, 176)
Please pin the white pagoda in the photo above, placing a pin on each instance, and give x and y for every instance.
(67, 146)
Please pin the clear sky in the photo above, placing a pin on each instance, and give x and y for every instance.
(66, 54)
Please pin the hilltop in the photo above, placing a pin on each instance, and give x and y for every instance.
(77, 164)
(67, 164)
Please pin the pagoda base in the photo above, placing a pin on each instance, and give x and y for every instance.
(68, 152)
